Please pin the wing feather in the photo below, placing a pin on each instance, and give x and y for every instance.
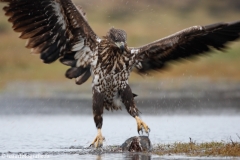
(55, 29)
(187, 43)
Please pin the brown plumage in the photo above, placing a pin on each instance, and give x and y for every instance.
(57, 29)
(187, 43)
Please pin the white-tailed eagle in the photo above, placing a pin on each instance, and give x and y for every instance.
(57, 29)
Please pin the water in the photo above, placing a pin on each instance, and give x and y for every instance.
(39, 133)
(49, 123)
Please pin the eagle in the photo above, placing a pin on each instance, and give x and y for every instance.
(58, 30)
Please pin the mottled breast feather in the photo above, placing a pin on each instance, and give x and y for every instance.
(111, 71)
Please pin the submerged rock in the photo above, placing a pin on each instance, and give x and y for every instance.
(137, 144)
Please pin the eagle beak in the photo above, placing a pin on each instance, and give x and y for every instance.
(121, 46)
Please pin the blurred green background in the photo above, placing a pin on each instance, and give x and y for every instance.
(144, 21)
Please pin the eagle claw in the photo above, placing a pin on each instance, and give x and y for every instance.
(91, 145)
(143, 127)
(98, 141)
(148, 131)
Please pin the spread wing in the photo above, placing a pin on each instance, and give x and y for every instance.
(187, 43)
(56, 29)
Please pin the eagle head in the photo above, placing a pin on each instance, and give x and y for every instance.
(118, 37)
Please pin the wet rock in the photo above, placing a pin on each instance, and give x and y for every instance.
(137, 144)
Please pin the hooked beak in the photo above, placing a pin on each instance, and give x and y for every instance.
(121, 46)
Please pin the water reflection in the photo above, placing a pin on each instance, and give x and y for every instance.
(137, 156)
(125, 156)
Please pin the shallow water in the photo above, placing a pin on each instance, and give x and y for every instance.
(50, 125)
(39, 133)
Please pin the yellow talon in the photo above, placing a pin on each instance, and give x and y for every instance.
(98, 141)
(141, 125)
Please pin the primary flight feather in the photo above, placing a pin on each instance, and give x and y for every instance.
(58, 29)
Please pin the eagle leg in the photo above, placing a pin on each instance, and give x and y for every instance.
(128, 100)
(97, 113)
